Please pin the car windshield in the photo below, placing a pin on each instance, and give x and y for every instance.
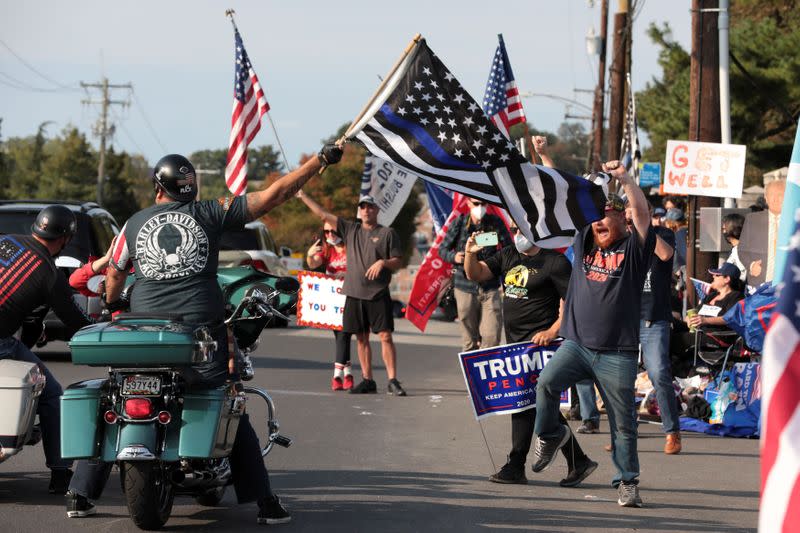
(239, 240)
(20, 222)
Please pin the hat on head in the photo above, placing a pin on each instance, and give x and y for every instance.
(366, 199)
(727, 269)
(659, 212)
(614, 202)
(674, 214)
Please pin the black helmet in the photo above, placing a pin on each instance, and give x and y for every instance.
(175, 175)
(54, 221)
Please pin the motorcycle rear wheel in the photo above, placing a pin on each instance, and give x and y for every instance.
(148, 492)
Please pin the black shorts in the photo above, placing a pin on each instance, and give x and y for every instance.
(361, 316)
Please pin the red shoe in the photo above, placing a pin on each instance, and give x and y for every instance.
(336, 383)
(348, 382)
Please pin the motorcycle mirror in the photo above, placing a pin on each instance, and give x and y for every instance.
(287, 284)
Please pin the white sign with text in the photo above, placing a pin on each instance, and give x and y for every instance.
(704, 169)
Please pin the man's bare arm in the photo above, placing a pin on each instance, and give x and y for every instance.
(663, 250)
(636, 198)
(115, 283)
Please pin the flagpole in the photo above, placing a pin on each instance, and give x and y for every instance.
(230, 13)
(385, 80)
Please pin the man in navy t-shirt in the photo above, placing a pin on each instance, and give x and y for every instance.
(601, 328)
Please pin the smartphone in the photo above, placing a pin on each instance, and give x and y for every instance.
(488, 238)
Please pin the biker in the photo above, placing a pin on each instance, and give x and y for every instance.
(173, 247)
(29, 279)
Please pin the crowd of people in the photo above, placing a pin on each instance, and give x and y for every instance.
(619, 298)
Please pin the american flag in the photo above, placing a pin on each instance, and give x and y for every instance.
(249, 105)
(501, 100)
(780, 403)
(425, 122)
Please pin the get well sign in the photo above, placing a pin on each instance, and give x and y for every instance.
(704, 169)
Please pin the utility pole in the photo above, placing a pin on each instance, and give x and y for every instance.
(599, 93)
(704, 119)
(102, 129)
(619, 63)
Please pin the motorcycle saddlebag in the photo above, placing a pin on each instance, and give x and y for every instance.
(139, 342)
(21, 383)
(80, 414)
(209, 422)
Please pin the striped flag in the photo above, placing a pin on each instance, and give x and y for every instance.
(631, 150)
(791, 201)
(501, 100)
(249, 105)
(701, 288)
(424, 121)
(780, 404)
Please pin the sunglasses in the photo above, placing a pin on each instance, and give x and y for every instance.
(477, 203)
(329, 232)
(513, 229)
(365, 205)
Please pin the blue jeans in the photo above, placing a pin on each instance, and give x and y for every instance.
(615, 375)
(588, 401)
(49, 409)
(655, 353)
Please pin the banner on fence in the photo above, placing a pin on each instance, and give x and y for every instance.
(320, 301)
(502, 380)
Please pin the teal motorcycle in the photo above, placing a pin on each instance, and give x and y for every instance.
(168, 437)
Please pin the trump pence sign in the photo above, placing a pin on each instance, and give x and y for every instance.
(502, 379)
(704, 169)
(320, 301)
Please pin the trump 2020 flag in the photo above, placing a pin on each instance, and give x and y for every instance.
(501, 100)
(791, 201)
(388, 184)
(249, 105)
(423, 120)
(780, 403)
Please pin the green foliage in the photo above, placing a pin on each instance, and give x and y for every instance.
(765, 102)
(127, 175)
(261, 162)
(568, 147)
(69, 168)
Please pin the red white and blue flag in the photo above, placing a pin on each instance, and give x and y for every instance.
(249, 105)
(780, 404)
(501, 101)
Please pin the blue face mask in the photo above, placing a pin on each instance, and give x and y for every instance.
(521, 243)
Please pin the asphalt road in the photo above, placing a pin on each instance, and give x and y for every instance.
(419, 463)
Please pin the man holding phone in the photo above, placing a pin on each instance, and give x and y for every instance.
(478, 303)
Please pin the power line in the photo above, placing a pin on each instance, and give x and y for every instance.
(20, 85)
(34, 70)
(121, 124)
(140, 109)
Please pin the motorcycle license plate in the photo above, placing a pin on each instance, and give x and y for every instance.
(141, 386)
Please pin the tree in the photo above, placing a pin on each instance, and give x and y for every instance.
(126, 175)
(4, 177)
(765, 91)
(69, 170)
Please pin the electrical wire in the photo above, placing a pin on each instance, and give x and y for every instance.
(118, 122)
(35, 71)
(140, 109)
(19, 85)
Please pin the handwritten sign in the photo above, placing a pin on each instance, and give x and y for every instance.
(502, 379)
(704, 169)
(320, 301)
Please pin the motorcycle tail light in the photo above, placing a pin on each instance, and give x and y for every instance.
(110, 417)
(164, 417)
(138, 407)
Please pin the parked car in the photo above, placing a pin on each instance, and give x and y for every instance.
(252, 246)
(96, 229)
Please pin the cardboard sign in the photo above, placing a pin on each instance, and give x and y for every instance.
(704, 169)
(502, 380)
(320, 301)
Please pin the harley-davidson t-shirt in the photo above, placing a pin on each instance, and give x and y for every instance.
(174, 249)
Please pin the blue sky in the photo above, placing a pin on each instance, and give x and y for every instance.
(318, 61)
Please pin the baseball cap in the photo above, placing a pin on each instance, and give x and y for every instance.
(727, 269)
(614, 202)
(366, 199)
(659, 212)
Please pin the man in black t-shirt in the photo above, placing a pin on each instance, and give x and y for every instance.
(173, 247)
(535, 282)
(601, 328)
(29, 279)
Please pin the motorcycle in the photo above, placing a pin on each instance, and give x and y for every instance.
(168, 437)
